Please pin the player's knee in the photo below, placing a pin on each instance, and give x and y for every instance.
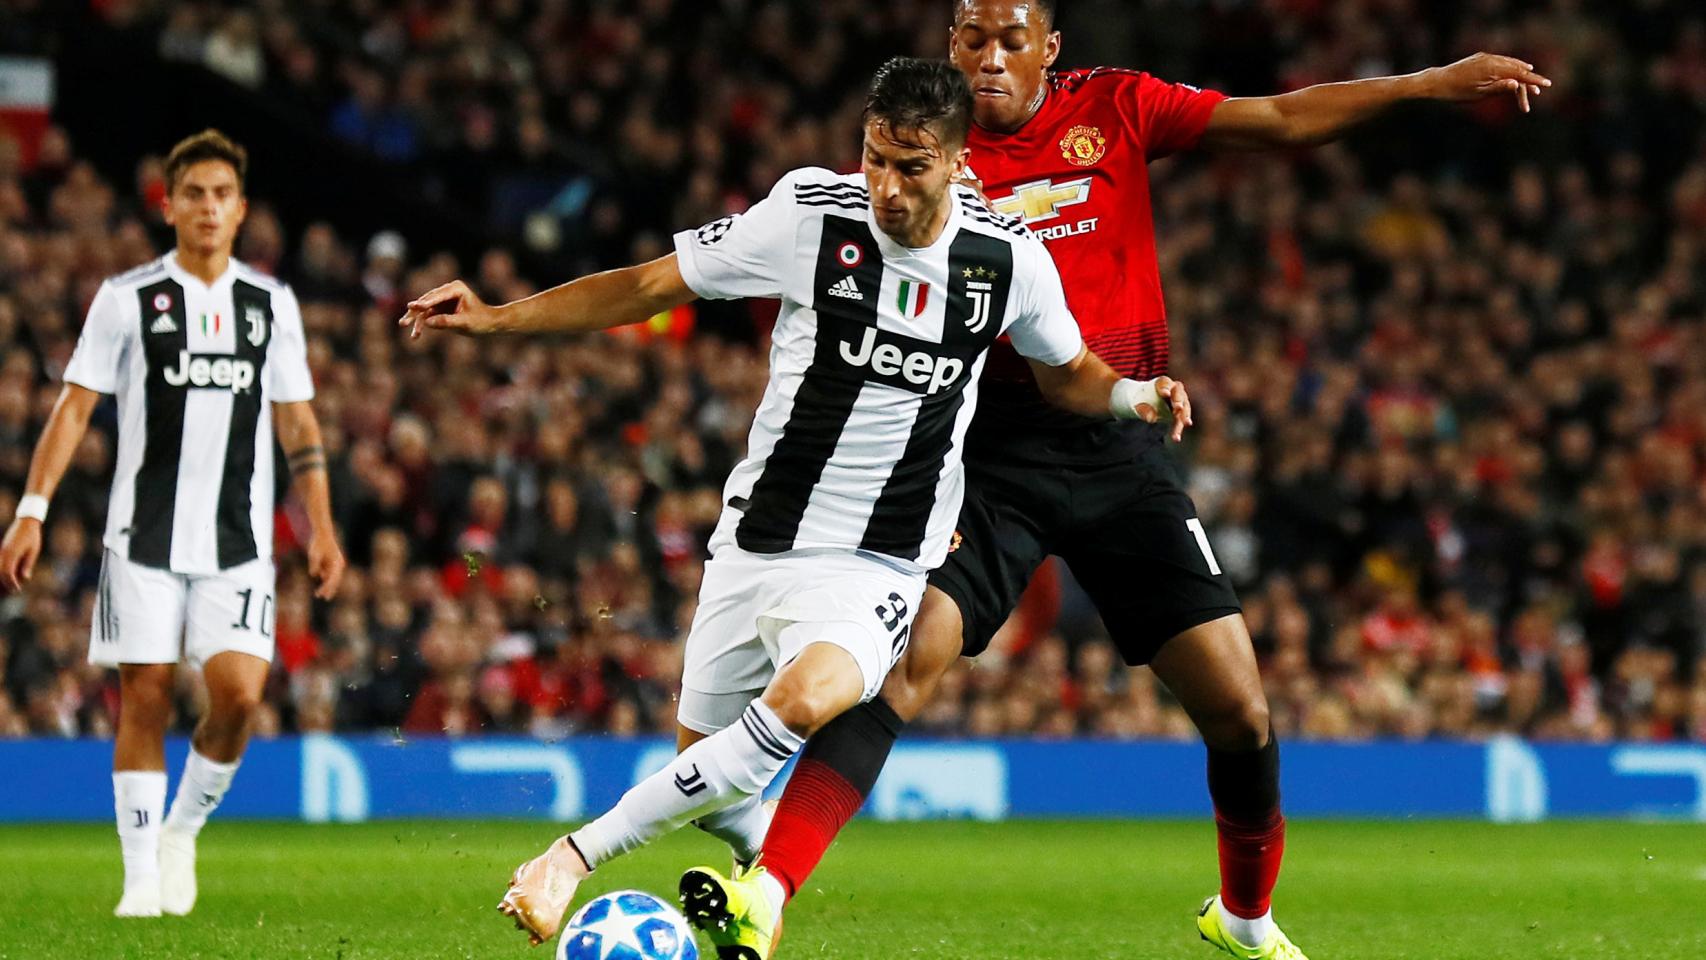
(145, 692)
(1240, 727)
(802, 707)
(235, 710)
(803, 701)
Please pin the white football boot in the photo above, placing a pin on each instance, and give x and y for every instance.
(177, 872)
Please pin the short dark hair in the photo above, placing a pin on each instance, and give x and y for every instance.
(209, 144)
(909, 94)
(1046, 6)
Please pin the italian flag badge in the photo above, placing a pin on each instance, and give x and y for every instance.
(912, 298)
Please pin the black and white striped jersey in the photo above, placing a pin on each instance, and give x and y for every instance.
(194, 368)
(874, 361)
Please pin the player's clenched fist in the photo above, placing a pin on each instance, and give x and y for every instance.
(453, 307)
(19, 552)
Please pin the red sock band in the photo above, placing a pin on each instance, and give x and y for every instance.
(1250, 855)
(816, 805)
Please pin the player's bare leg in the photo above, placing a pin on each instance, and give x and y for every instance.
(139, 781)
(235, 683)
(1211, 670)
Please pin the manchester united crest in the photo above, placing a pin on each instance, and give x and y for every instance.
(1083, 145)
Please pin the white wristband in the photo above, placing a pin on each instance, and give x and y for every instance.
(32, 506)
(1127, 394)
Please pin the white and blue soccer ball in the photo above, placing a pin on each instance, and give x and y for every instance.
(627, 925)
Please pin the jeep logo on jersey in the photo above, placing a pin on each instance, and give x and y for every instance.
(917, 370)
(1042, 199)
(211, 372)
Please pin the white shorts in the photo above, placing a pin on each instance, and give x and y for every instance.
(757, 613)
(148, 615)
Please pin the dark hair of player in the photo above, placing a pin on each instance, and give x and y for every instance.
(209, 144)
(1044, 7)
(910, 95)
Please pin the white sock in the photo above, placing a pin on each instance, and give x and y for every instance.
(741, 826)
(203, 785)
(139, 799)
(773, 892)
(721, 770)
(1251, 933)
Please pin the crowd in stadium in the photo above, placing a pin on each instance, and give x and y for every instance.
(1450, 409)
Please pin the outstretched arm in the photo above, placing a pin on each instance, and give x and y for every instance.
(611, 299)
(1324, 112)
(1090, 388)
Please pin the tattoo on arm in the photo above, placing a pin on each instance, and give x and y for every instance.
(306, 459)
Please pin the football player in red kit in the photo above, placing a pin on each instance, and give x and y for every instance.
(1068, 152)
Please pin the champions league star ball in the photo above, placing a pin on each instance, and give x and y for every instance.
(627, 925)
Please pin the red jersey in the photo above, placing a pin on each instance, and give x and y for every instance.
(1078, 174)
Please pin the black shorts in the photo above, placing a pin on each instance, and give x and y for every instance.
(1107, 500)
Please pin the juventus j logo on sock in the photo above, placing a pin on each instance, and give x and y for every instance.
(690, 785)
(141, 818)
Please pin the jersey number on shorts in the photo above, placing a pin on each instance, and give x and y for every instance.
(1202, 543)
(891, 614)
(266, 612)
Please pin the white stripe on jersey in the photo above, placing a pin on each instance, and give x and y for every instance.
(856, 444)
(195, 368)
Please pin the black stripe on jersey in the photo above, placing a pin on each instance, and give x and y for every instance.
(101, 602)
(980, 277)
(156, 488)
(854, 205)
(843, 195)
(826, 395)
(1001, 221)
(835, 188)
(252, 311)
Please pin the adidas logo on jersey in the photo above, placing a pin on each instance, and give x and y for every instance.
(163, 324)
(846, 289)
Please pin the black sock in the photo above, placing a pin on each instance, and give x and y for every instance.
(1245, 785)
(857, 743)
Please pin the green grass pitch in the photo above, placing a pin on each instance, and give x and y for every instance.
(1062, 890)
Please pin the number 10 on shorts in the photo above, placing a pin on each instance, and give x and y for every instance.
(264, 619)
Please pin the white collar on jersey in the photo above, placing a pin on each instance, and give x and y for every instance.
(893, 249)
(183, 276)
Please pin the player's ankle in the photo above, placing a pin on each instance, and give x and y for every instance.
(775, 891)
(1249, 931)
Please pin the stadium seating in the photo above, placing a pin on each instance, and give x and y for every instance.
(1450, 377)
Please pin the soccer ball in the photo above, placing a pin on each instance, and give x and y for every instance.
(627, 925)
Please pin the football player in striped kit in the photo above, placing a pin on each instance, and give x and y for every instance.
(894, 282)
(204, 354)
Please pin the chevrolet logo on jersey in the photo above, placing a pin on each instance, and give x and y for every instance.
(1042, 199)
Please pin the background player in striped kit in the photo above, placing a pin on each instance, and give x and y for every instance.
(893, 283)
(195, 345)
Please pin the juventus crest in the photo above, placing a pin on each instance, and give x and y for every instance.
(257, 320)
